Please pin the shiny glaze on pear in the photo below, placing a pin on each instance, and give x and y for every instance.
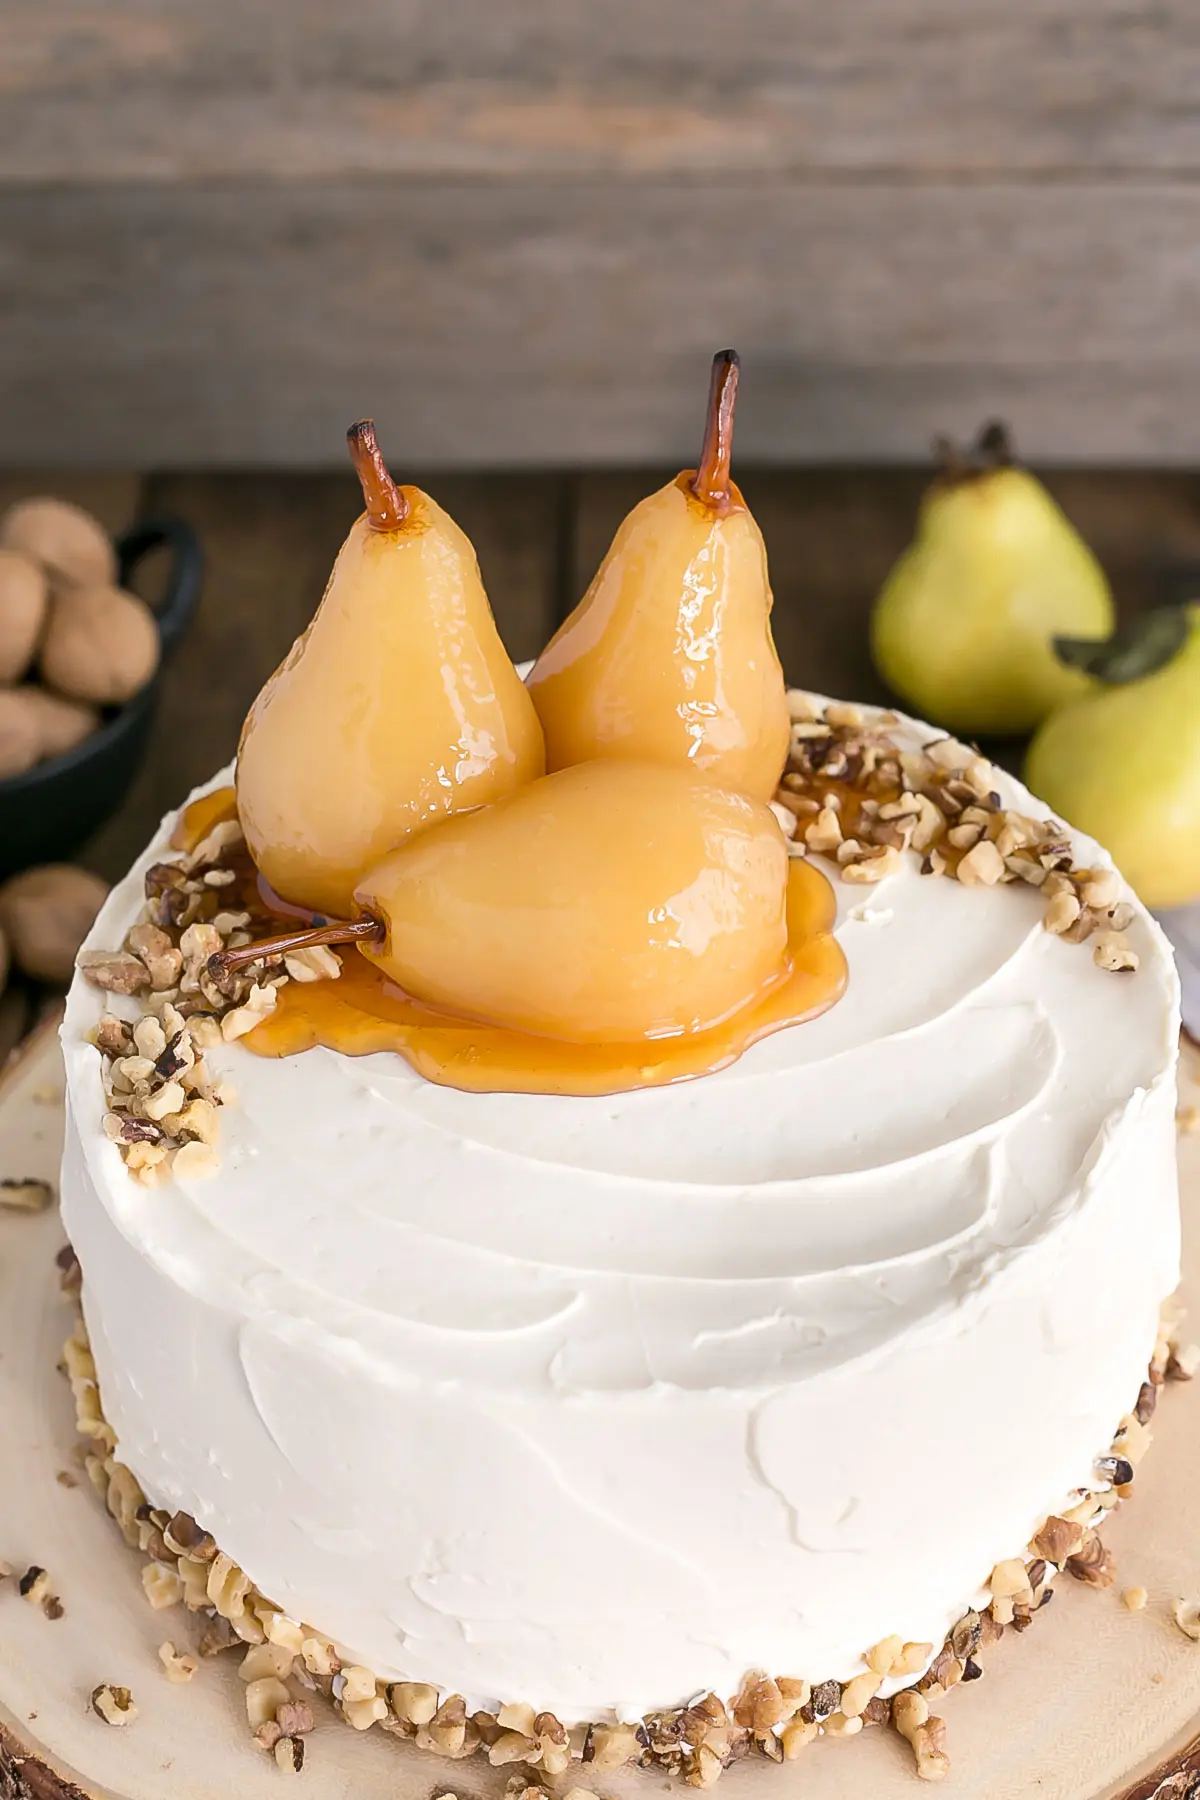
(397, 707)
(669, 656)
(609, 902)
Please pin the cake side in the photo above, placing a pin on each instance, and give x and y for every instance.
(605, 1403)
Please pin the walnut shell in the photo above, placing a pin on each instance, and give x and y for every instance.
(20, 733)
(61, 723)
(46, 913)
(101, 644)
(24, 596)
(71, 545)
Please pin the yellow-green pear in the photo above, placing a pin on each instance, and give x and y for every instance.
(963, 625)
(1122, 762)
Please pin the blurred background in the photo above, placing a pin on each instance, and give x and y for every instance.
(516, 234)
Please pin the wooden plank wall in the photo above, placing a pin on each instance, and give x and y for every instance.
(515, 233)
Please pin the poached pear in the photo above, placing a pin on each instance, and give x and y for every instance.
(397, 706)
(669, 656)
(611, 902)
(1122, 762)
(963, 625)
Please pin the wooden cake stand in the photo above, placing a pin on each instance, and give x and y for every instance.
(1093, 1703)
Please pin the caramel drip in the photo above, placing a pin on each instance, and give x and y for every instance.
(364, 1012)
(197, 820)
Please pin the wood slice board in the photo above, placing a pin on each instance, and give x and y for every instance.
(1095, 1702)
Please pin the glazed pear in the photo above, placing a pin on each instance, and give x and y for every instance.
(1123, 762)
(611, 902)
(396, 707)
(962, 627)
(669, 657)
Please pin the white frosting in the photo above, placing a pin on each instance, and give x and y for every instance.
(598, 1403)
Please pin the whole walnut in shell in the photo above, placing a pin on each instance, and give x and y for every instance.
(23, 599)
(20, 733)
(61, 723)
(70, 545)
(101, 644)
(46, 913)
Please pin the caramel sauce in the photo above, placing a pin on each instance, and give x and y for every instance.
(364, 1012)
(197, 820)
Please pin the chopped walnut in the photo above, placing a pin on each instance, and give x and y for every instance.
(981, 867)
(825, 832)
(873, 865)
(1062, 911)
(857, 1692)
(1113, 952)
(114, 970)
(162, 1586)
(25, 1194)
(318, 963)
(289, 1754)
(1058, 1539)
(929, 1747)
(115, 1705)
(34, 1585)
(177, 1667)
(796, 1734)
(611, 1746)
(1186, 1614)
(294, 1718)
(1009, 1578)
(912, 1659)
(1093, 1563)
(414, 1701)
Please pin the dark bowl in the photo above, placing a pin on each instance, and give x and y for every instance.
(50, 810)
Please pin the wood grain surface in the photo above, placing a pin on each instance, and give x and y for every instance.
(517, 234)
(162, 90)
(570, 322)
(24, 1776)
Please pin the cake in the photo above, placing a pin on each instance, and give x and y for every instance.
(599, 1404)
(633, 1417)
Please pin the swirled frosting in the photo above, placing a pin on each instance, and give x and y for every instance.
(598, 1403)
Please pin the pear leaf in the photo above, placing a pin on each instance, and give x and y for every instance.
(1141, 647)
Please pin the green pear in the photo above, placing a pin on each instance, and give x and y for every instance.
(962, 627)
(1122, 762)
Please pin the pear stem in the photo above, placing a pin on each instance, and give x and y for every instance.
(386, 505)
(711, 480)
(339, 931)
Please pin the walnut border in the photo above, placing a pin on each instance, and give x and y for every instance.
(774, 1717)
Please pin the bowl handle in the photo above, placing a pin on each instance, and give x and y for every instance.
(186, 576)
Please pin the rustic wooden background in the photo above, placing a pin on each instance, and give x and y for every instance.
(516, 233)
